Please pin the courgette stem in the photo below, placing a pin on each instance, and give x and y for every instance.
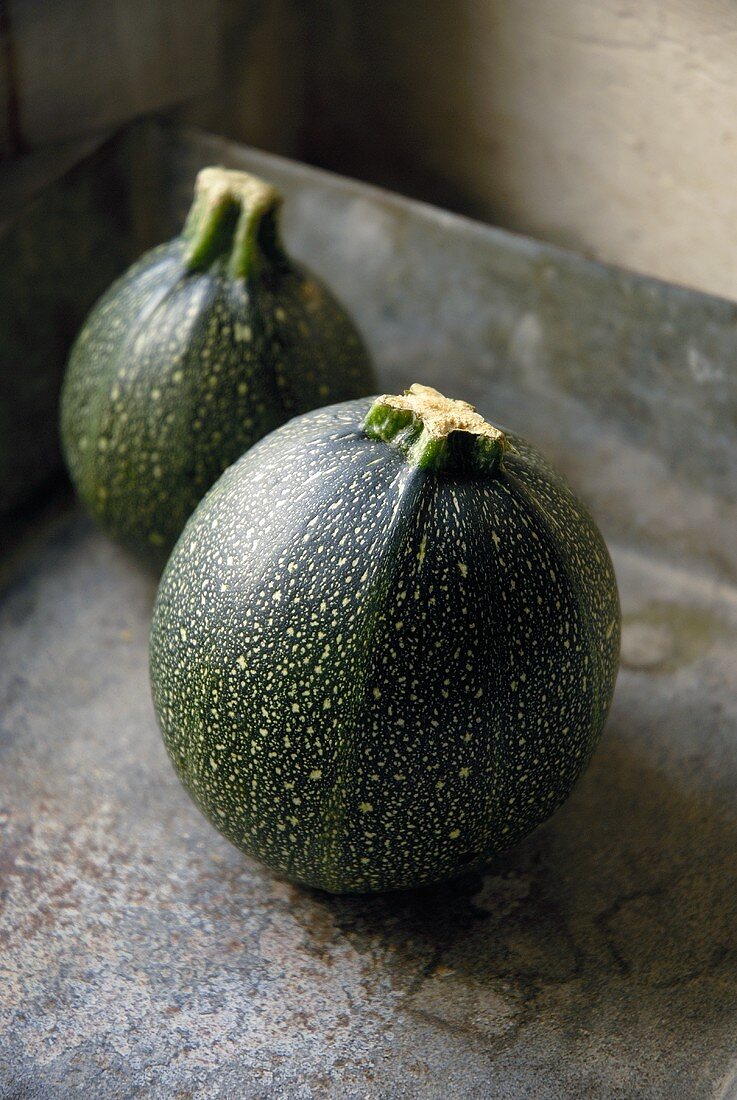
(233, 214)
(436, 432)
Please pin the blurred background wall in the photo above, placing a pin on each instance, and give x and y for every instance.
(609, 126)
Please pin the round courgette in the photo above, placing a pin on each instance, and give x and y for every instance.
(386, 644)
(200, 349)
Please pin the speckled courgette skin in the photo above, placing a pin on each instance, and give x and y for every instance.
(371, 675)
(187, 361)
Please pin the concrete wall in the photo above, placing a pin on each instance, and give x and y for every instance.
(606, 125)
(71, 68)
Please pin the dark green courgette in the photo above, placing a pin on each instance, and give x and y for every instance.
(200, 349)
(386, 644)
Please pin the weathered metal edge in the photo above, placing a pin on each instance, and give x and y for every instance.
(625, 380)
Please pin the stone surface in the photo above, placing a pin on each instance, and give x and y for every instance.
(142, 956)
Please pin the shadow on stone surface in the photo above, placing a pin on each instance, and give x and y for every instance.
(612, 926)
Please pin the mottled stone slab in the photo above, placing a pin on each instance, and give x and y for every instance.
(141, 955)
